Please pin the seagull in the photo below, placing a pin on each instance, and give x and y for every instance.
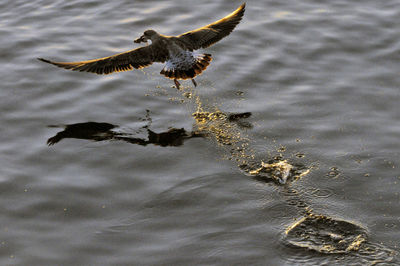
(179, 54)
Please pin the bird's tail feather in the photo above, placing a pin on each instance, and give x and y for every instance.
(201, 63)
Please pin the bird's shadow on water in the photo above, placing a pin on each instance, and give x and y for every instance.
(103, 131)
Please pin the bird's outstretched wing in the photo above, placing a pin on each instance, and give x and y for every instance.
(212, 33)
(136, 58)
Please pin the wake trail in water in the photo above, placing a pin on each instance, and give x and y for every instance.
(312, 231)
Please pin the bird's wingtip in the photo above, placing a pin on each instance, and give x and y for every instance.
(241, 8)
(43, 60)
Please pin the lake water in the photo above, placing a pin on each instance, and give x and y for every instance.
(162, 176)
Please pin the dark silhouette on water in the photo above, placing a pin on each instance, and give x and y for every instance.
(177, 51)
(103, 131)
(237, 116)
(89, 130)
(238, 119)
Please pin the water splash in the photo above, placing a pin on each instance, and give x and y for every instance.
(227, 130)
(325, 234)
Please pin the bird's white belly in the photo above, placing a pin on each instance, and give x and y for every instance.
(181, 61)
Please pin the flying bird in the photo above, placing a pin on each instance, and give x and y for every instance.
(179, 54)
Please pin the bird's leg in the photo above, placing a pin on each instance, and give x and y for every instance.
(194, 82)
(177, 84)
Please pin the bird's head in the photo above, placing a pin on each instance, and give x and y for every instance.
(147, 35)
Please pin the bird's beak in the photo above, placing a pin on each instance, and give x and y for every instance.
(141, 39)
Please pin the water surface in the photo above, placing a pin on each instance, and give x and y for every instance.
(321, 81)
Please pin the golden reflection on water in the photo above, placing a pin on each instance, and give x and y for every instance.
(282, 14)
(220, 126)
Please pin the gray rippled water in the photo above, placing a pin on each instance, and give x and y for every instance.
(286, 153)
